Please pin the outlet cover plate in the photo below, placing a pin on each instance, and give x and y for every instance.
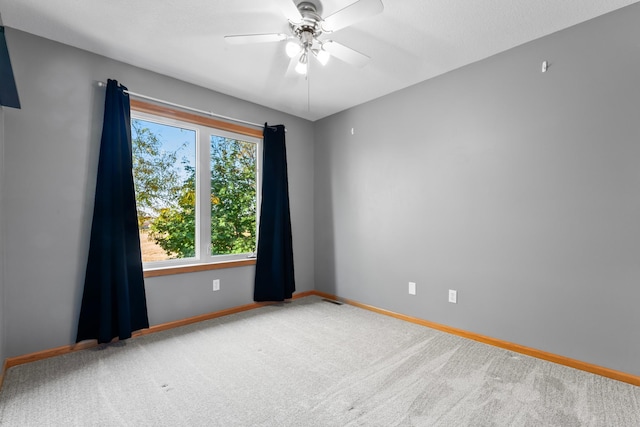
(216, 285)
(412, 288)
(453, 296)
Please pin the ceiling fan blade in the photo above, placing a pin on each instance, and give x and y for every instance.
(290, 11)
(345, 54)
(351, 14)
(255, 38)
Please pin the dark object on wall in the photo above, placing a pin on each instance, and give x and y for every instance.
(114, 302)
(274, 265)
(8, 90)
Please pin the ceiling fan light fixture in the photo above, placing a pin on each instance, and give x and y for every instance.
(323, 56)
(292, 48)
(301, 66)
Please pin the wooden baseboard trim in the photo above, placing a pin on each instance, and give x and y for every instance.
(58, 351)
(516, 348)
(213, 315)
(45, 354)
(4, 369)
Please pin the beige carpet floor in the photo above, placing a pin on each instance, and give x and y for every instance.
(309, 363)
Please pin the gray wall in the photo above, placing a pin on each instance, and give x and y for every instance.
(2, 309)
(521, 190)
(51, 156)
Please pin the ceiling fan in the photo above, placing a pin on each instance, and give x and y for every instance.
(307, 25)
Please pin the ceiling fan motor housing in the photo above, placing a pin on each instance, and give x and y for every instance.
(309, 27)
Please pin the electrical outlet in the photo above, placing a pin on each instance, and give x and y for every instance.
(412, 288)
(216, 285)
(453, 296)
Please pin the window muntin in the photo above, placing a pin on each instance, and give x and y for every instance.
(214, 188)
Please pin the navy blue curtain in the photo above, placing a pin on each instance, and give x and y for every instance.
(8, 91)
(114, 302)
(274, 279)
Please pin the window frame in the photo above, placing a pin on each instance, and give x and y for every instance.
(203, 260)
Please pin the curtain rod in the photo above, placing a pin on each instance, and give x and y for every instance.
(196, 110)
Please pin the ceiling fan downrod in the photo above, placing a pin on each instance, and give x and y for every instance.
(307, 31)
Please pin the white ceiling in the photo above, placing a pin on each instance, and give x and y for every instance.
(410, 41)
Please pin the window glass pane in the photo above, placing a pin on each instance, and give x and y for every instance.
(233, 196)
(164, 168)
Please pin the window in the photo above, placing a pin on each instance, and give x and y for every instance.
(197, 187)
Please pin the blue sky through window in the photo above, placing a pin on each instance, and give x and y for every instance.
(174, 139)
